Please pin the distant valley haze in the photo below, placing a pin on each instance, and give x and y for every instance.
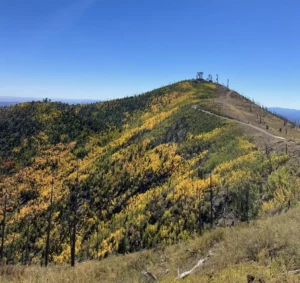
(12, 100)
(291, 114)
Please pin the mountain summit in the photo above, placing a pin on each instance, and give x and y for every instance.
(83, 182)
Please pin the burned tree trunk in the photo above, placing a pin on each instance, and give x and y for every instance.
(211, 202)
(74, 209)
(26, 256)
(3, 227)
(73, 227)
(49, 226)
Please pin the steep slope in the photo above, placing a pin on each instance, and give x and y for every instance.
(130, 174)
(268, 130)
(264, 251)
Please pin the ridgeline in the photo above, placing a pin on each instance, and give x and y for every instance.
(86, 182)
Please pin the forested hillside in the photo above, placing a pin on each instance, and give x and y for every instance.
(87, 181)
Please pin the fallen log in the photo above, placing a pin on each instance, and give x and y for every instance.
(199, 263)
(297, 271)
(149, 274)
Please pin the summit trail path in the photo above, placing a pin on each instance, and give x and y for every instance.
(239, 122)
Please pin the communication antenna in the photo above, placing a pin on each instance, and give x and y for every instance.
(217, 79)
(199, 75)
(210, 79)
(227, 83)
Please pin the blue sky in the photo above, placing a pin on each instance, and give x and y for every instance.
(107, 49)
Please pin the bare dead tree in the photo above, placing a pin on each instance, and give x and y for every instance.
(26, 255)
(3, 226)
(74, 208)
(49, 225)
(211, 202)
(200, 213)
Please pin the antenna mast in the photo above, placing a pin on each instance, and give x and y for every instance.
(199, 76)
(210, 79)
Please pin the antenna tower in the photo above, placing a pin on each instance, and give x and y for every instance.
(210, 79)
(199, 75)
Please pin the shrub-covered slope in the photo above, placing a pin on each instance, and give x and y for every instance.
(128, 174)
(265, 250)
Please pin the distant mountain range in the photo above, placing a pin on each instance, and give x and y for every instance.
(291, 114)
(8, 100)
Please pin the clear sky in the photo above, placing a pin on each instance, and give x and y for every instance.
(106, 49)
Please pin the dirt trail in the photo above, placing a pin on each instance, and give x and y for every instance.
(228, 94)
(239, 122)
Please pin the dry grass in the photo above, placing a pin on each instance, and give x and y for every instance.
(237, 107)
(265, 249)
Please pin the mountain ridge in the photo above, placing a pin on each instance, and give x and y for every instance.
(143, 171)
